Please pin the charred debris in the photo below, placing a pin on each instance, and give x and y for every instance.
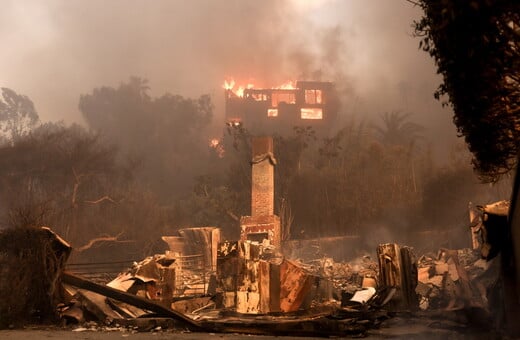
(258, 284)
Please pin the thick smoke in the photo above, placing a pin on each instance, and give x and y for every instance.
(56, 50)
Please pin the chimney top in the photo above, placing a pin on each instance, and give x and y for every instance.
(262, 145)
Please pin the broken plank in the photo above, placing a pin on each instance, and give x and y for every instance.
(98, 306)
(134, 300)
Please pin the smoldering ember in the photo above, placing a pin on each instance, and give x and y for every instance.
(299, 198)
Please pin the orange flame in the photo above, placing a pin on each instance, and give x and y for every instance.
(288, 85)
(229, 84)
(240, 91)
(213, 143)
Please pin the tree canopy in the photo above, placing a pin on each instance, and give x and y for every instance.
(476, 46)
(17, 114)
(163, 133)
(397, 129)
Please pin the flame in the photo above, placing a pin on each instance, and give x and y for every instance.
(213, 143)
(229, 84)
(311, 113)
(288, 85)
(272, 112)
(217, 145)
(240, 91)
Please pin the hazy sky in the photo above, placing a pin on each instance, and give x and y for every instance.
(55, 50)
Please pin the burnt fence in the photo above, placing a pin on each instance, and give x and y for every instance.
(99, 272)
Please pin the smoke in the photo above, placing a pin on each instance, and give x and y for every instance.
(58, 49)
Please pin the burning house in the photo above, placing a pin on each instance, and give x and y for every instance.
(277, 110)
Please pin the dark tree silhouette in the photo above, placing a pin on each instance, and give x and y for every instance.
(397, 129)
(476, 46)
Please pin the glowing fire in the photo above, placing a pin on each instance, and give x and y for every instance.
(272, 112)
(289, 85)
(213, 143)
(219, 148)
(238, 90)
(311, 113)
(229, 84)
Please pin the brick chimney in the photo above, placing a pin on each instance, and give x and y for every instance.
(263, 223)
(262, 179)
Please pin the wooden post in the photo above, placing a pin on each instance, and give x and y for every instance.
(398, 269)
(409, 278)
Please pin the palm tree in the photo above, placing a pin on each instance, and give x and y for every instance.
(397, 129)
(400, 135)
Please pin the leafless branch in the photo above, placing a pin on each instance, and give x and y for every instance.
(413, 2)
(232, 215)
(102, 239)
(104, 198)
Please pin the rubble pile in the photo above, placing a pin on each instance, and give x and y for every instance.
(344, 276)
(257, 290)
(163, 277)
(152, 278)
(455, 279)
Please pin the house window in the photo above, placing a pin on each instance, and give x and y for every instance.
(277, 98)
(313, 97)
(311, 113)
(272, 112)
(259, 97)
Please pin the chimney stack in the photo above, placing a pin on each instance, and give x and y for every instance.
(262, 179)
(263, 223)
